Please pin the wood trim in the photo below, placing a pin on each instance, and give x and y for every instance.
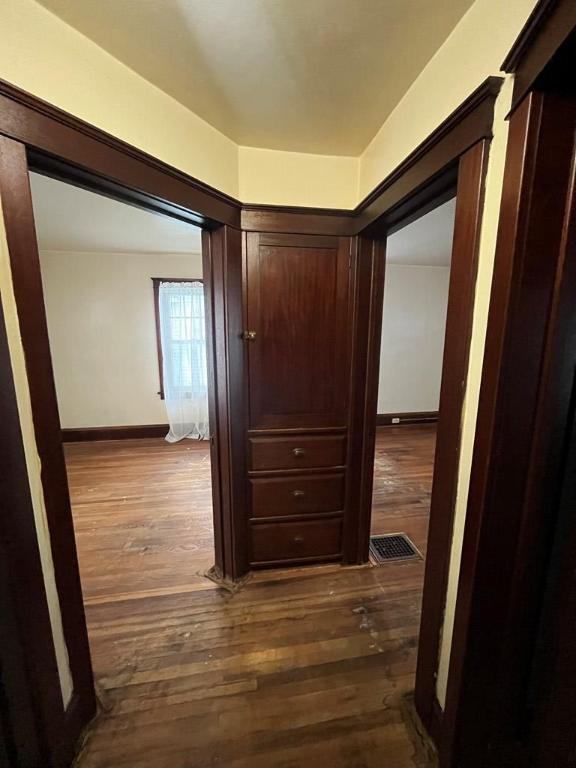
(427, 171)
(541, 12)
(294, 561)
(305, 221)
(63, 146)
(467, 125)
(21, 238)
(368, 264)
(415, 417)
(102, 162)
(30, 705)
(469, 204)
(159, 354)
(222, 269)
(128, 432)
(497, 558)
(301, 241)
(368, 277)
(156, 290)
(549, 26)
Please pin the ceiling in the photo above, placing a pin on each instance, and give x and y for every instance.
(71, 219)
(315, 76)
(425, 242)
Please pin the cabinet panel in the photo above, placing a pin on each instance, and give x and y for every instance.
(295, 541)
(297, 304)
(297, 452)
(296, 495)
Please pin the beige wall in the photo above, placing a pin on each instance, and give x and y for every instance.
(293, 178)
(413, 324)
(43, 55)
(102, 331)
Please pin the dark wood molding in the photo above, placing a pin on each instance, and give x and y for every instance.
(156, 292)
(398, 419)
(297, 220)
(368, 265)
(25, 266)
(516, 443)
(30, 705)
(467, 223)
(549, 26)
(128, 432)
(159, 354)
(62, 145)
(424, 175)
(434, 727)
(434, 157)
(542, 10)
(223, 272)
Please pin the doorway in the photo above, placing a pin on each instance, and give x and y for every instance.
(416, 283)
(124, 298)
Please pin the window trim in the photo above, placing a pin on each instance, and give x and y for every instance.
(156, 288)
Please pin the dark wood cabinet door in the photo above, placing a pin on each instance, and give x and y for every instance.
(297, 296)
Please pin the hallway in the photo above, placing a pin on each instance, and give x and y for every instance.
(301, 666)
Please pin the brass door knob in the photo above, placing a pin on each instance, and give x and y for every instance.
(298, 451)
(249, 335)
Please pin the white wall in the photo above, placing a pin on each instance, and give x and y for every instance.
(101, 324)
(413, 323)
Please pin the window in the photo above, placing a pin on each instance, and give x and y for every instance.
(180, 337)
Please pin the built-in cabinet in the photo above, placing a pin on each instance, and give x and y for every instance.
(297, 303)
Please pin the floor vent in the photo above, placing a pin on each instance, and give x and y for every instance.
(393, 546)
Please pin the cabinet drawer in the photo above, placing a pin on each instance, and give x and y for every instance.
(296, 495)
(297, 452)
(291, 541)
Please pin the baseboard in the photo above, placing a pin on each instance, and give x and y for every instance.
(426, 743)
(77, 719)
(435, 724)
(418, 417)
(138, 432)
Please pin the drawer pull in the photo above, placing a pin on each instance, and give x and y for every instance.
(298, 539)
(298, 451)
(298, 494)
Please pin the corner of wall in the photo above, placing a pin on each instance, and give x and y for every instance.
(42, 54)
(323, 181)
(473, 51)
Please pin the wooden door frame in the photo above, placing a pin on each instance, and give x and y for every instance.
(516, 452)
(34, 133)
(469, 171)
(222, 262)
(524, 411)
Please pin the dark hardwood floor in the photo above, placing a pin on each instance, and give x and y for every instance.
(403, 468)
(302, 667)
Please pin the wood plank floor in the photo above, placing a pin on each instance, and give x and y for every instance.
(301, 667)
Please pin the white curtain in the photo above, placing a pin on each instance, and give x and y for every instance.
(183, 338)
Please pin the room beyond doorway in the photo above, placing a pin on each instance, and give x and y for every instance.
(416, 285)
(128, 351)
